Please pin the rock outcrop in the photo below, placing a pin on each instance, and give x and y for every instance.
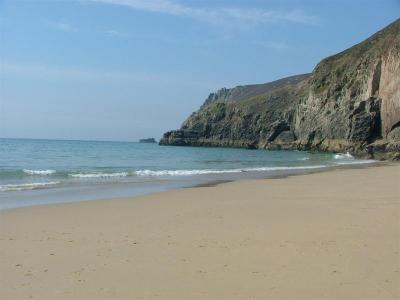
(148, 141)
(350, 102)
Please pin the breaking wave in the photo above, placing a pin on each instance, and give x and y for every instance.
(304, 158)
(343, 156)
(152, 173)
(202, 172)
(99, 175)
(39, 172)
(26, 186)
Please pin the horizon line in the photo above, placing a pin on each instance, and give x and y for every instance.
(71, 140)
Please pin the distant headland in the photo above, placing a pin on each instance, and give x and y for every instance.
(148, 141)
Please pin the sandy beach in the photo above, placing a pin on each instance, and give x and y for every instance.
(331, 235)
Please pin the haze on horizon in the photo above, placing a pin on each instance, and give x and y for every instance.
(130, 69)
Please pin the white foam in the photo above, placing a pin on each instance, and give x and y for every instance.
(356, 162)
(304, 158)
(39, 172)
(99, 175)
(210, 171)
(26, 186)
(343, 156)
(285, 168)
(182, 172)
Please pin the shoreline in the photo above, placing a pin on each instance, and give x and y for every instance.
(306, 172)
(326, 235)
(209, 182)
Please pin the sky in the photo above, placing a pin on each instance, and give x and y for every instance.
(131, 69)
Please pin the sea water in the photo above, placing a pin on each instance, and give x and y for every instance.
(49, 171)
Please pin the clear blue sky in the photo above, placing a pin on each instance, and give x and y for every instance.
(126, 69)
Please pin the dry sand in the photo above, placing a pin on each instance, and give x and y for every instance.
(332, 235)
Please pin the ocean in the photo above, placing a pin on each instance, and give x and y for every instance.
(36, 172)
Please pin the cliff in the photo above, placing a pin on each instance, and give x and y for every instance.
(350, 102)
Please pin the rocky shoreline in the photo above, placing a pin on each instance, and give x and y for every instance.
(349, 103)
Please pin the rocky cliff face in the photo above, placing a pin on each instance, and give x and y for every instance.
(350, 102)
(248, 122)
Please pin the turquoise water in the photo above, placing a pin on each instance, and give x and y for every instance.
(57, 170)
